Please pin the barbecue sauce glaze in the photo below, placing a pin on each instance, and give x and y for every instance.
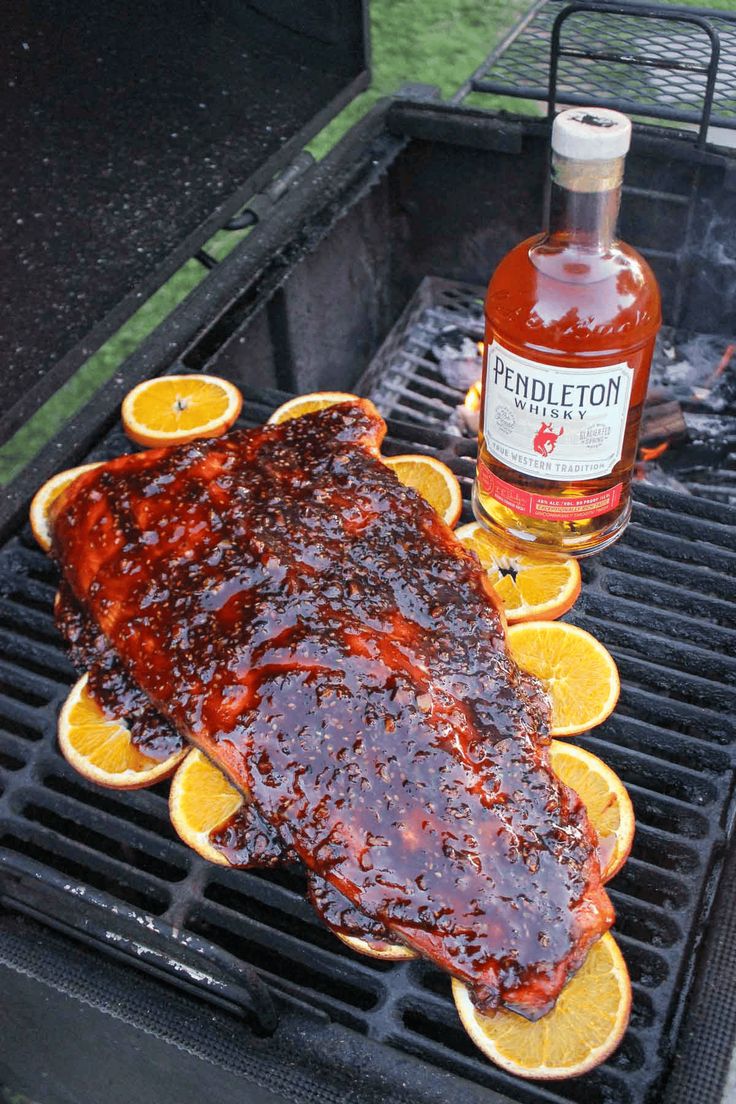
(110, 685)
(318, 631)
(246, 839)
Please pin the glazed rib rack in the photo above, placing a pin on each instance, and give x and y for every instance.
(108, 867)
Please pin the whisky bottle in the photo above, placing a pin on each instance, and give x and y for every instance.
(571, 317)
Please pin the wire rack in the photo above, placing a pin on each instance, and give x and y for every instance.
(674, 64)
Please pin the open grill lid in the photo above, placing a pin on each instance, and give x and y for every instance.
(130, 132)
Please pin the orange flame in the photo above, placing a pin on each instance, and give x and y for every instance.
(723, 363)
(699, 393)
(652, 453)
(472, 399)
(481, 347)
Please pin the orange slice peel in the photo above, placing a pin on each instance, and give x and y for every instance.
(432, 479)
(44, 498)
(377, 948)
(102, 750)
(582, 1030)
(578, 673)
(201, 800)
(604, 796)
(309, 404)
(530, 587)
(173, 410)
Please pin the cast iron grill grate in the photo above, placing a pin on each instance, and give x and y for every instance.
(648, 62)
(663, 599)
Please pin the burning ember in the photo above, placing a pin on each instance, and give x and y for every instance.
(723, 363)
(646, 469)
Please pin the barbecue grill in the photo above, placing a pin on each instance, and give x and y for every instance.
(131, 969)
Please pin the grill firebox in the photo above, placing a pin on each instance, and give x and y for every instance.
(109, 866)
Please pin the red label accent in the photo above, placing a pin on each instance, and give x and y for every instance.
(545, 439)
(550, 507)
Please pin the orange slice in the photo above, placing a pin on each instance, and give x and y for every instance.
(102, 750)
(578, 673)
(172, 410)
(605, 799)
(44, 498)
(432, 479)
(201, 800)
(531, 588)
(308, 404)
(582, 1030)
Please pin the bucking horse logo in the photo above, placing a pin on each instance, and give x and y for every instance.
(545, 439)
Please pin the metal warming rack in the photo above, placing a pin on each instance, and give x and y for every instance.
(648, 60)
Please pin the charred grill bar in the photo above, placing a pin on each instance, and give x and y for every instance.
(116, 940)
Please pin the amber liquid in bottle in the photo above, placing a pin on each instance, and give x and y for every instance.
(561, 308)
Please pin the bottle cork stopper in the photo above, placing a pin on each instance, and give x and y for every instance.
(591, 134)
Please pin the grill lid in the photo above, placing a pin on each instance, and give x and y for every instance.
(129, 132)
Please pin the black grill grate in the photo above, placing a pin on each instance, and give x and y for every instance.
(110, 865)
(652, 61)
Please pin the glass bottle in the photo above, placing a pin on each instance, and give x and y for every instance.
(571, 319)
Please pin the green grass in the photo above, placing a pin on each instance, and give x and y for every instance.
(436, 42)
(432, 41)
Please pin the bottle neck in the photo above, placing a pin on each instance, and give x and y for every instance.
(584, 202)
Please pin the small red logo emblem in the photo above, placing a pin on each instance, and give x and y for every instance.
(545, 439)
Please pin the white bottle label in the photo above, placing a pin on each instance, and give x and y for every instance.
(551, 422)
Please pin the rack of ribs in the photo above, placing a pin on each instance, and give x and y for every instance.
(278, 599)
